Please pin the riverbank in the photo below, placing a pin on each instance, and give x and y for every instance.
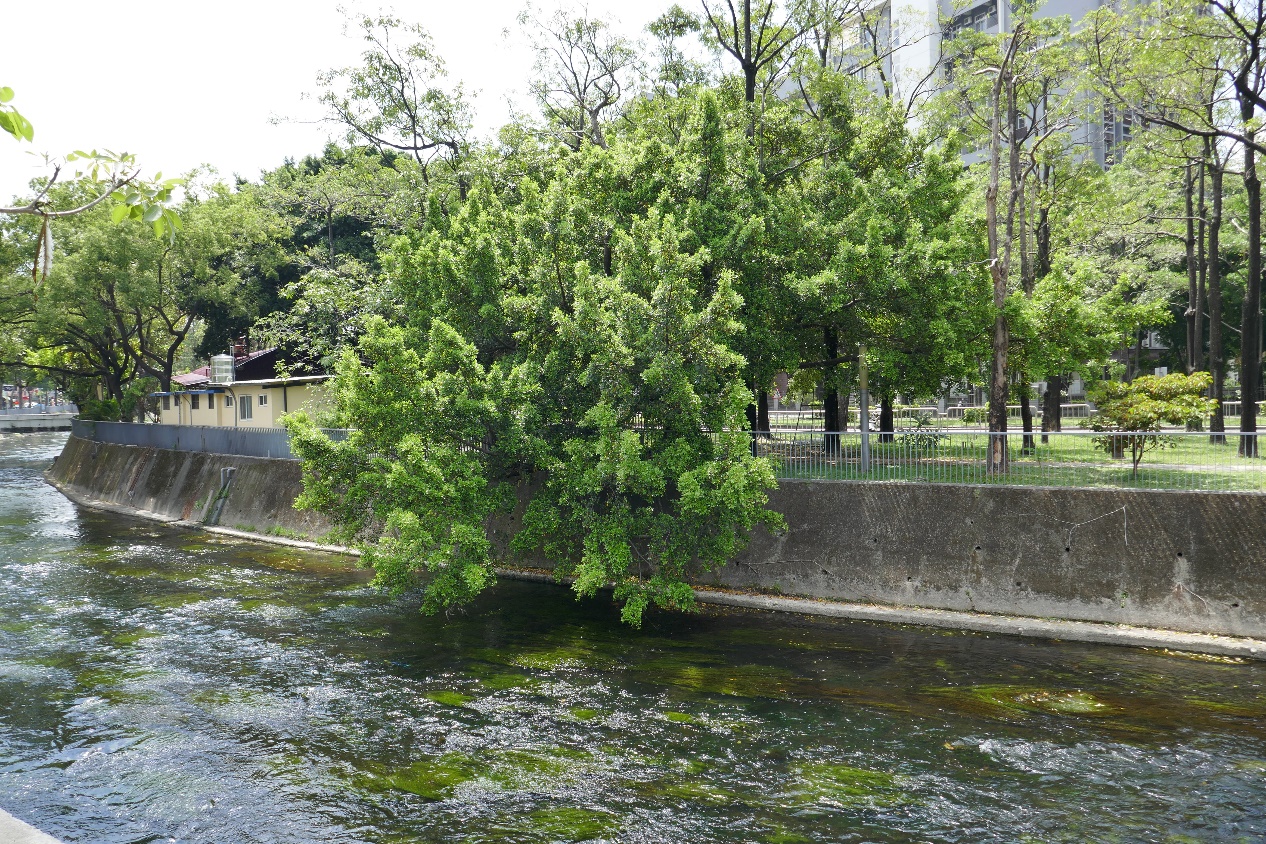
(32, 423)
(807, 571)
(16, 831)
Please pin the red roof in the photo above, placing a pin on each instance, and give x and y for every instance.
(201, 375)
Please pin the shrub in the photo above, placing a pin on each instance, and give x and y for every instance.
(96, 410)
(1131, 415)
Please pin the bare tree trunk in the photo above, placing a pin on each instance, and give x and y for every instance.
(886, 426)
(1217, 355)
(1189, 243)
(997, 459)
(1251, 323)
(1202, 270)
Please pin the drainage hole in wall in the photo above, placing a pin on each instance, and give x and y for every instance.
(1067, 549)
(977, 547)
(1235, 606)
(1018, 583)
(909, 580)
(1179, 553)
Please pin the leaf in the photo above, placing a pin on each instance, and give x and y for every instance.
(6, 94)
(120, 213)
(152, 213)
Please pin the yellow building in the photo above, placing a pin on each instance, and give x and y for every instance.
(239, 392)
(242, 404)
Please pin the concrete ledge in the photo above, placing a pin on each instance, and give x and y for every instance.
(1038, 628)
(1034, 628)
(14, 831)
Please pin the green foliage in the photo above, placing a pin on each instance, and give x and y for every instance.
(1132, 413)
(11, 120)
(100, 410)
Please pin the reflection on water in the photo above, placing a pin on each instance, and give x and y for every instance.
(156, 685)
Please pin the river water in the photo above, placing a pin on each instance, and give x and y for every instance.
(157, 685)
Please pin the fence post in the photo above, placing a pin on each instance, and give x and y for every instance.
(864, 412)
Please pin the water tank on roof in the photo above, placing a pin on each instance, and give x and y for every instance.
(222, 369)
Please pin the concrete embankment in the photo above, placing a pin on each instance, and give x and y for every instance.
(1121, 566)
(252, 494)
(14, 831)
(30, 423)
(1192, 561)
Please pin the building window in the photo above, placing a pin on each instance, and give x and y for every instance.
(244, 407)
(166, 402)
(193, 402)
(263, 399)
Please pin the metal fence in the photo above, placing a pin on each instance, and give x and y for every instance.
(1171, 460)
(38, 409)
(1178, 460)
(246, 442)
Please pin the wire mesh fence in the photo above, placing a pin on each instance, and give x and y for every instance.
(1171, 460)
(1177, 460)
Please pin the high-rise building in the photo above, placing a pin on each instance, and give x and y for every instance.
(898, 49)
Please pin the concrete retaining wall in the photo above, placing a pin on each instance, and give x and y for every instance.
(1187, 561)
(184, 486)
(29, 423)
(1191, 561)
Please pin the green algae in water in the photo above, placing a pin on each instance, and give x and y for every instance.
(782, 835)
(1003, 701)
(538, 769)
(126, 639)
(567, 823)
(502, 682)
(582, 714)
(848, 787)
(177, 600)
(448, 697)
(432, 778)
(1256, 711)
(436, 777)
(563, 656)
(553, 825)
(681, 717)
(695, 791)
(750, 681)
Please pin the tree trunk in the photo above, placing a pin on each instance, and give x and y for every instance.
(886, 426)
(1028, 446)
(1251, 323)
(750, 412)
(1051, 409)
(1201, 272)
(762, 411)
(830, 395)
(999, 266)
(1217, 356)
(1189, 243)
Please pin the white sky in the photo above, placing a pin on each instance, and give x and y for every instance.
(189, 82)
